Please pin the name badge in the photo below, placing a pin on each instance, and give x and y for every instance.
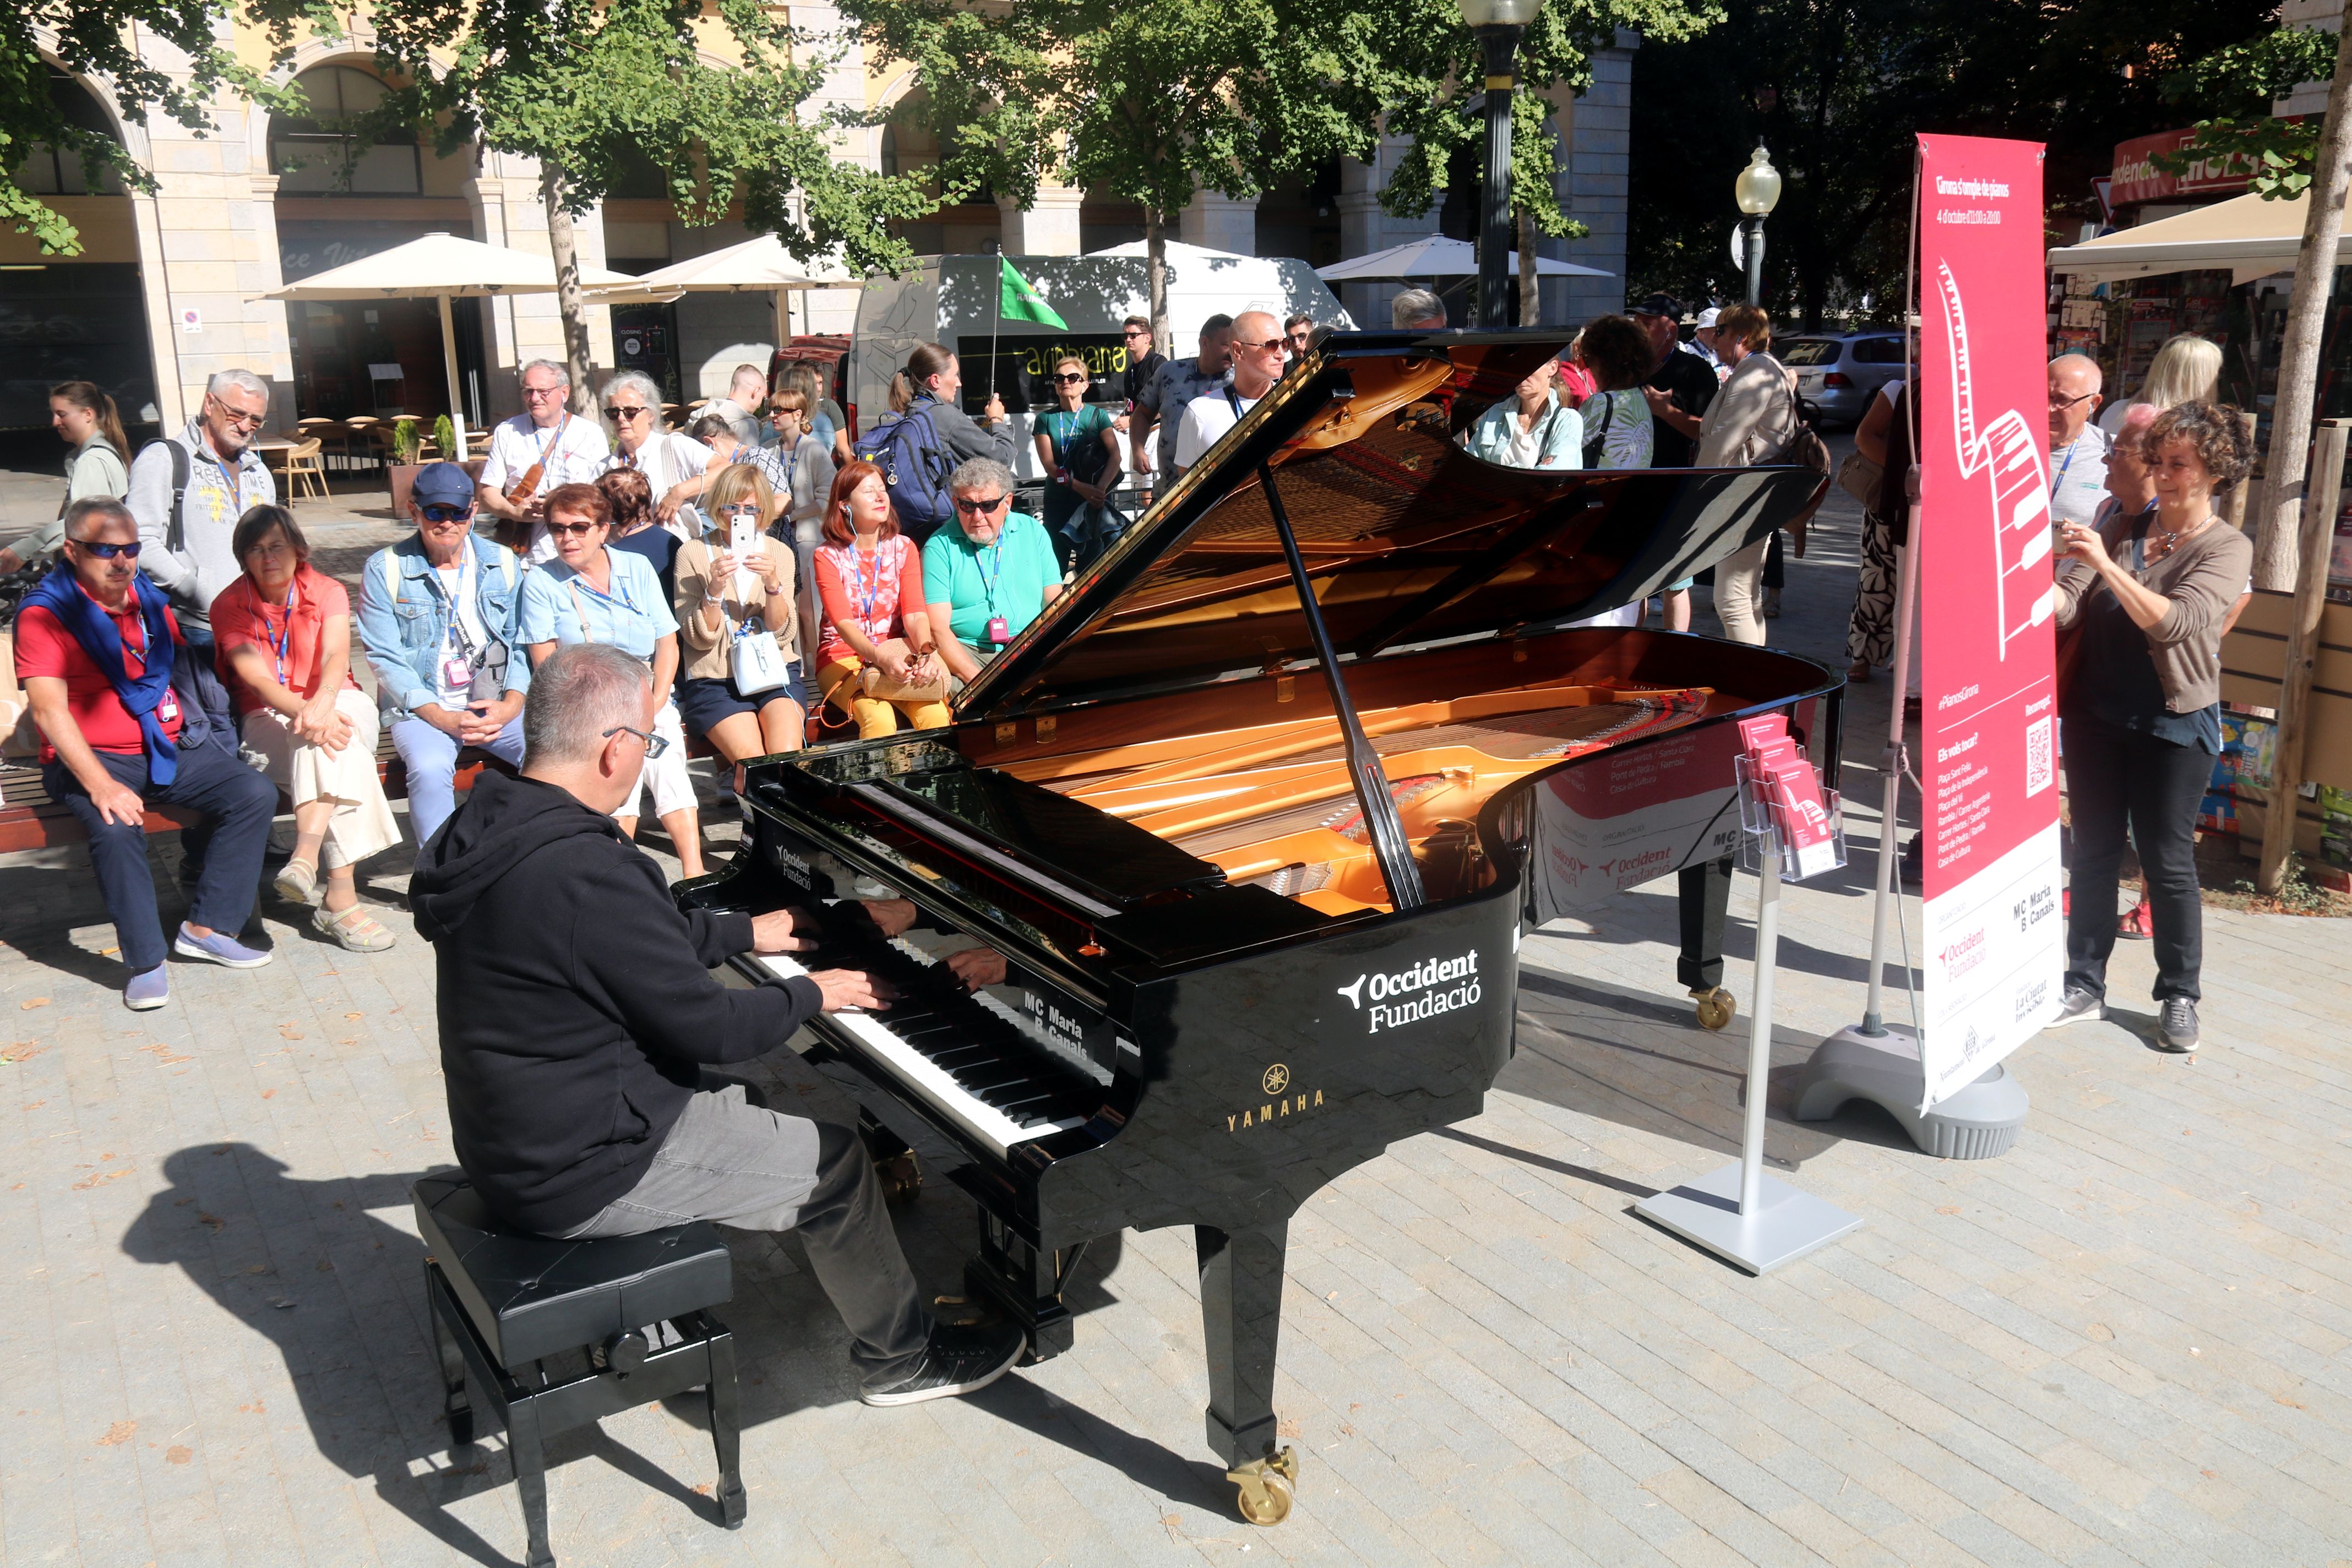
(457, 674)
(168, 709)
(998, 632)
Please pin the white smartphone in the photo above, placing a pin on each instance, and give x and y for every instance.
(742, 540)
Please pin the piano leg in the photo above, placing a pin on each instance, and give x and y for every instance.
(1240, 1317)
(1706, 891)
(1025, 1284)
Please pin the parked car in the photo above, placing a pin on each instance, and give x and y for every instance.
(1840, 373)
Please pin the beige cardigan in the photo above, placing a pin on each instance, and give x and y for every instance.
(706, 657)
(1752, 418)
(2202, 578)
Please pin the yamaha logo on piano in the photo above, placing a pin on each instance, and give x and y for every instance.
(1278, 1103)
(1433, 985)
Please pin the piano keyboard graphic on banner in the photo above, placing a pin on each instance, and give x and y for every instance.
(2008, 454)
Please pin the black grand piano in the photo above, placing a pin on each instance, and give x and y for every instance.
(1257, 812)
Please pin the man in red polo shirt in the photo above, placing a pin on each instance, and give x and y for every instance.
(95, 646)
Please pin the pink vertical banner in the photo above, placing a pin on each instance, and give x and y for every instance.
(1987, 761)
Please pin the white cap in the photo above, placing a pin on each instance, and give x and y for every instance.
(1706, 317)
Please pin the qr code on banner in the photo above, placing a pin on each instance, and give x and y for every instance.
(2038, 761)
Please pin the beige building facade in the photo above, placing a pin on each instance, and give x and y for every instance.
(171, 287)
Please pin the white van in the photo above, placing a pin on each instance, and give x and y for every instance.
(951, 300)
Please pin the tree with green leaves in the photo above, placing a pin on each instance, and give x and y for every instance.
(2235, 86)
(95, 38)
(1151, 103)
(596, 89)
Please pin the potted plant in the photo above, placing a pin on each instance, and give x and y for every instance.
(445, 438)
(407, 446)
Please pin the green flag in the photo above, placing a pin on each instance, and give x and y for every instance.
(1020, 303)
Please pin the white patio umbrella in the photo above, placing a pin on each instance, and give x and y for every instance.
(1434, 256)
(440, 266)
(757, 265)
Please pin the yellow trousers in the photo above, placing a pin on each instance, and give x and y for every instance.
(875, 716)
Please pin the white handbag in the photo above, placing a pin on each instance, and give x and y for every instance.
(755, 663)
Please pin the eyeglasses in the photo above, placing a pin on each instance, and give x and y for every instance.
(535, 393)
(241, 421)
(978, 508)
(108, 552)
(654, 744)
(740, 509)
(446, 513)
(1078, 379)
(573, 527)
(2058, 402)
(617, 414)
(1269, 345)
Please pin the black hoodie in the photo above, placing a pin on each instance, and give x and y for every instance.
(576, 1002)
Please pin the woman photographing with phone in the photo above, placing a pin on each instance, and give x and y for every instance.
(736, 583)
(2152, 594)
(876, 663)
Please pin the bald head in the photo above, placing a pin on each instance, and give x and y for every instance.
(2129, 479)
(1257, 352)
(2074, 383)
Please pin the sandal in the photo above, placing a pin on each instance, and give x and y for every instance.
(354, 929)
(297, 882)
(1859, 674)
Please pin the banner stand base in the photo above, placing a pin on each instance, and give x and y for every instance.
(1979, 1122)
(1788, 1223)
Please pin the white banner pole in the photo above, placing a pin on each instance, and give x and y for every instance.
(1892, 764)
(1759, 1026)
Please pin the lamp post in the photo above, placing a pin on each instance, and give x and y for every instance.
(1500, 25)
(1759, 190)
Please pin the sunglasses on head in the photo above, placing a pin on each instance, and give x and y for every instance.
(978, 508)
(108, 552)
(616, 413)
(438, 513)
(575, 528)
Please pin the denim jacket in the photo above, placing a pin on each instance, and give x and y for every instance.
(404, 618)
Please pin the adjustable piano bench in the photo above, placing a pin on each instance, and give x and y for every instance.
(503, 1302)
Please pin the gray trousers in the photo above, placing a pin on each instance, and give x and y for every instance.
(733, 1162)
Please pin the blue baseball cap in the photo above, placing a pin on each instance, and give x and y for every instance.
(442, 484)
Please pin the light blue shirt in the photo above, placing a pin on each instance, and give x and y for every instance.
(1555, 441)
(560, 605)
(2078, 476)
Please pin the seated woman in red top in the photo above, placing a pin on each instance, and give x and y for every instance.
(284, 632)
(874, 658)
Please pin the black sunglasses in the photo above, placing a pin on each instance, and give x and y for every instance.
(108, 552)
(1067, 380)
(616, 413)
(573, 527)
(975, 507)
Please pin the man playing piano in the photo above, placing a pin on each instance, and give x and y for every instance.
(579, 1018)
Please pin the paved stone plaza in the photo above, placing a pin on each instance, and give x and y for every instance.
(2123, 1342)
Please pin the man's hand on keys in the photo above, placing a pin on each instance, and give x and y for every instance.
(849, 988)
(773, 932)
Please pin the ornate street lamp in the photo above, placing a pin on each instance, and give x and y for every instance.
(1500, 25)
(1757, 190)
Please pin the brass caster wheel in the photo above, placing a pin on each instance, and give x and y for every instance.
(902, 1179)
(1267, 1487)
(1715, 1007)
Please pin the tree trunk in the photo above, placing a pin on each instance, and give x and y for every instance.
(1155, 267)
(2278, 535)
(1530, 285)
(568, 303)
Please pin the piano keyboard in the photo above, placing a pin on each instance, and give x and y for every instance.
(962, 1058)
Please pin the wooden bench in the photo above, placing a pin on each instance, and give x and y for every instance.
(30, 819)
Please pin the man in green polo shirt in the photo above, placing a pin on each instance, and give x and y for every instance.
(988, 577)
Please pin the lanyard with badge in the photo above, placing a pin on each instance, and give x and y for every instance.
(998, 630)
(167, 707)
(868, 594)
(460, 659)
(282, 641)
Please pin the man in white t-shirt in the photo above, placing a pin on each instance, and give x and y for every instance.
(741, 406)
(544, 436)
(1257, 365)
(2078, 447)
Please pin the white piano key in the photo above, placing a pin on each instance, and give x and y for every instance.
(924, 1077)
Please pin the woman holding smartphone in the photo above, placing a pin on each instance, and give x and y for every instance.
(736, 581)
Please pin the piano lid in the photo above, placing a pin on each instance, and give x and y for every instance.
(1407, 537)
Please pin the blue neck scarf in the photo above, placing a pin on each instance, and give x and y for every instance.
(101, 639)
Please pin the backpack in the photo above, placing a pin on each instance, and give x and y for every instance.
(914, 465)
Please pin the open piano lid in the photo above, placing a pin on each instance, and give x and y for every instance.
(1407, 537)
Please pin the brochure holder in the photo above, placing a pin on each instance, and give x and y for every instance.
(1739, 1212)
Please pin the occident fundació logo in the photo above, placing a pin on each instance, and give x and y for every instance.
(1432, 987)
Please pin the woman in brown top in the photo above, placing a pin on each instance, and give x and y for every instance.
(721, 594)
(2152, 595)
